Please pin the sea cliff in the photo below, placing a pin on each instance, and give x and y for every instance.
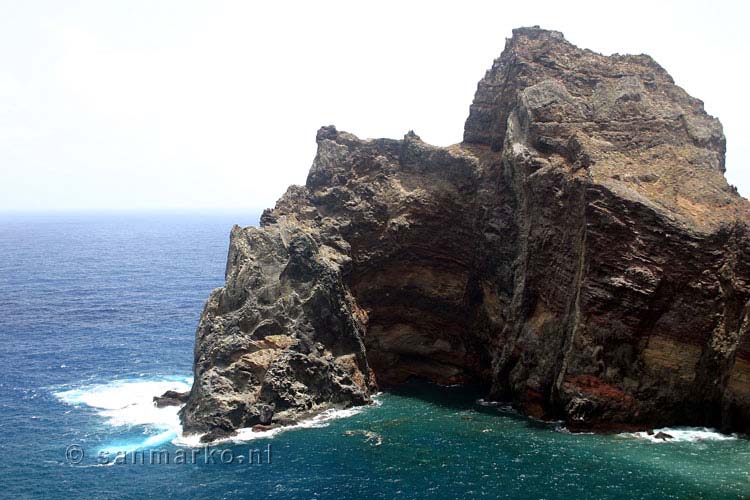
(580, 253)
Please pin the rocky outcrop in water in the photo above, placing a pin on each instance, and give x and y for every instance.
(579, 253)
(171, 398)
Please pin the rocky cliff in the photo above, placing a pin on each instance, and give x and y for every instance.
(579, 253)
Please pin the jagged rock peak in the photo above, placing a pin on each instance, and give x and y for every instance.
(534, 55)
(620, 117)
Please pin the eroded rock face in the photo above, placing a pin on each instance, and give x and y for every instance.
(579, 253)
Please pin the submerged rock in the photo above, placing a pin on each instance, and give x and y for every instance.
(372, 438)
(579, 253)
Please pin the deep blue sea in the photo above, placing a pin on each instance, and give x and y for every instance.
(97, 315)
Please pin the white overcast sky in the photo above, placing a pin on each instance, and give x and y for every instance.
(152, 104)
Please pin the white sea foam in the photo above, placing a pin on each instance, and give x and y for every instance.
(127, 403)
(322, 419)
(130, 403)
(499, 405)
(560, 427)
(681, 435)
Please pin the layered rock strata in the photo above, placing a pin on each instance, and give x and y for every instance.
(579, 253)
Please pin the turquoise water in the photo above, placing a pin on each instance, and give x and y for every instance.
(98, 313)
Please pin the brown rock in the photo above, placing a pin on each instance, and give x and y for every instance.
(171, 398)
(580, 252)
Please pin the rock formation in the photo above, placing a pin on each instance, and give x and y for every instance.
(171, 398)
(580, 253)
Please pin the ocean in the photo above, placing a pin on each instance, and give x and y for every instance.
(98, 314)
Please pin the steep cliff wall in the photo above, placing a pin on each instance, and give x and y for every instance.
(579, 253)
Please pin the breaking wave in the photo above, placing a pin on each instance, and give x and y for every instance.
(680, 435)
(129, 403)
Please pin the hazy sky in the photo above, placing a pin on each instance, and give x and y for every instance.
(156, 104)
